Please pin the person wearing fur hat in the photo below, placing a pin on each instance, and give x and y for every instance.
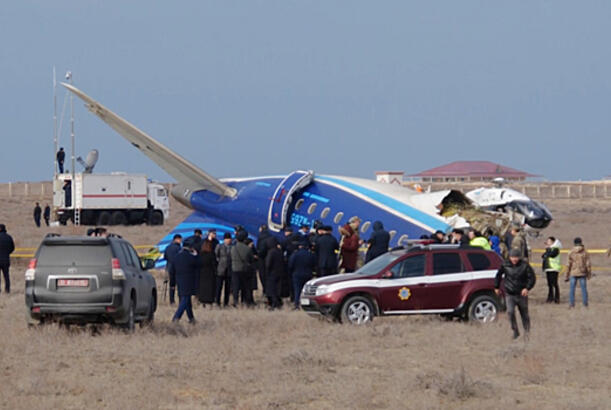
(578, 270)
(518, 279)
(551, 267)
(349, 244)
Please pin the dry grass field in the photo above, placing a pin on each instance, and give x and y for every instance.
(255, 359)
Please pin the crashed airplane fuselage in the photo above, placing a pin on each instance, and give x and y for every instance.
(296, 199)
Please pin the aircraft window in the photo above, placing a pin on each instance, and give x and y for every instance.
(299, 204)
(403, 240)
(365, 226)
(338, 217)
(325, 212)
(392, 234)
(312, 208)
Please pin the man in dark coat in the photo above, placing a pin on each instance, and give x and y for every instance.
(378, 242)
(7, 246)
(261, 252)
(170, 255)
(207, 273)
(301, 267)
(47, 214)
(223, 270)
(274, 271)
(197, 239)
(61, 157)
(518, 278)
(186, 265)
(37, 214)
(326, 248)
(289, 245)
(242, 259)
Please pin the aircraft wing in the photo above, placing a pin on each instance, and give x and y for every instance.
(178, 167)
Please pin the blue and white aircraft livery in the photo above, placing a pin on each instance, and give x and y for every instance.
(298, 198)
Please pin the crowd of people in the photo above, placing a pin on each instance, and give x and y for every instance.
(225, 273)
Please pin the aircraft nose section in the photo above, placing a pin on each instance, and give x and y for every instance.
(538, 216)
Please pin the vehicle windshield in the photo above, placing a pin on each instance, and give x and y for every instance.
(379, 263)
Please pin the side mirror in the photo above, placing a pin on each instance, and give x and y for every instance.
(387, 275)
(149, 264)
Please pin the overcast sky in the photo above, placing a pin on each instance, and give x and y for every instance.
(245, 88)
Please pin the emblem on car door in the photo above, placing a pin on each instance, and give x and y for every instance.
(404, 293)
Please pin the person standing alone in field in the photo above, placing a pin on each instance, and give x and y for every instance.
(7, 246)
(37, 214)
(578, 270)
(551, 267)
(519, 279)
(47, 214)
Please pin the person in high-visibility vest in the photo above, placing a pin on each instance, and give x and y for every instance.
(476, 239)
(551, 267)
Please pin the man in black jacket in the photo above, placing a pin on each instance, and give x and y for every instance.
(518, 278)
(37, 214)
(170, 255)
(186, 265)
(7, 246)
(47, 214)
(61, 156)
(378, 242)
(326, 248)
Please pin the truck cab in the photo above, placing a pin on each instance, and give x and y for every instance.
(158, 198)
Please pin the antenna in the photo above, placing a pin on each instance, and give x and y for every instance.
(90, 161)
(69, 78)
(54, 124)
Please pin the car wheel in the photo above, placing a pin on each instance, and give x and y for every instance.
(357, 310)
(484, 309)
(104, 218)
(131, 316)
(150, 313)
(118, 218)
(157, 218)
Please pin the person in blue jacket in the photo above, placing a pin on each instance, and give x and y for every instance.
(301, 265)
(186, 266)
(170, 255)
(378, 242)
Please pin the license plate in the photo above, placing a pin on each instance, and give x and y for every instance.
(76, 283)
(305, 301)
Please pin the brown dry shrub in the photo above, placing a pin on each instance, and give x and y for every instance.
(456, 386)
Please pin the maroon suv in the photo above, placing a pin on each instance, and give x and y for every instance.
(438, 279)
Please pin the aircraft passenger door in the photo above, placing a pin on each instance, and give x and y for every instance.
(406, 289)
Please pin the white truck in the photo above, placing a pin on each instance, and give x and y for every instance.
(109, 199)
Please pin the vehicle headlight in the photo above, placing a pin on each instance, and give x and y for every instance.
(322, 290)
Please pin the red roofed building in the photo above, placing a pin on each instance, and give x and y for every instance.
(468, 171)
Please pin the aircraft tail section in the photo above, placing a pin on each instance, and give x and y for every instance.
(187, 174)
